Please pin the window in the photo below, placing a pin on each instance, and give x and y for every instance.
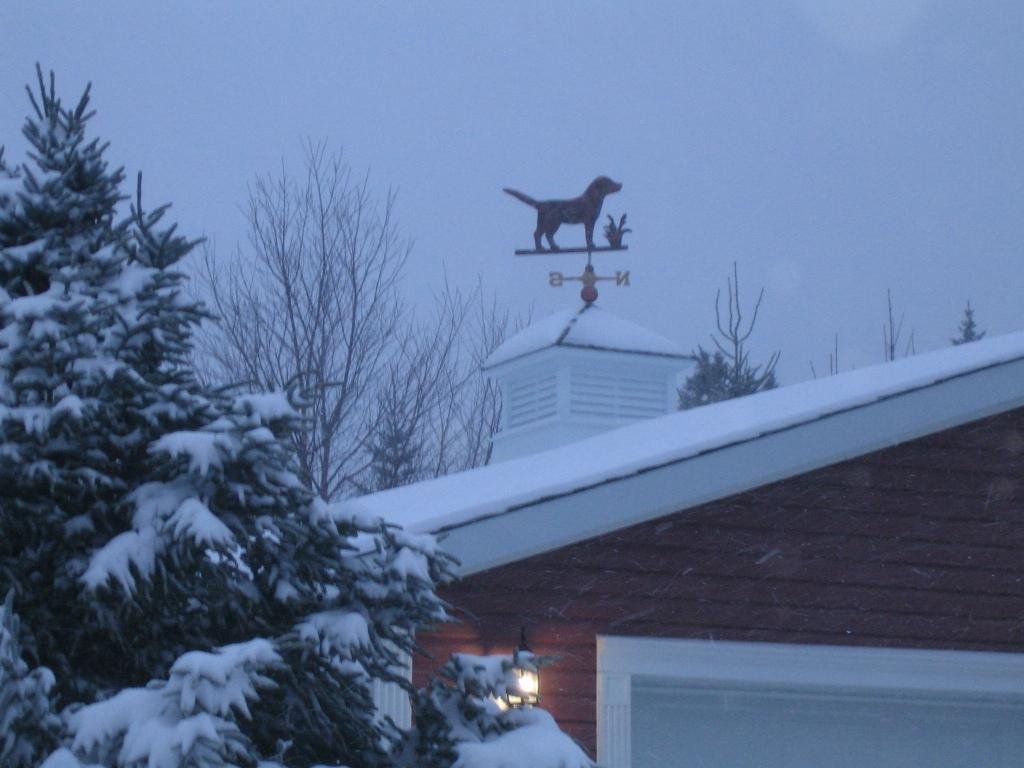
(678, 703)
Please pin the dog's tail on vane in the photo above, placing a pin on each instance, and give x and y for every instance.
(520, 196)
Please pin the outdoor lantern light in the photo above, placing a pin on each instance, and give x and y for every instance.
(526, 689)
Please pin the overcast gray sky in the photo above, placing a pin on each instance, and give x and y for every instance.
(832, 148)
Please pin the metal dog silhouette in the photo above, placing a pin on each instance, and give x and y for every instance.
(585, 209)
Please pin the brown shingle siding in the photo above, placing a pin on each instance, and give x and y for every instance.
(919, 545)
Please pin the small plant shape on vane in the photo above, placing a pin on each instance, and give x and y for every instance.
(614, 233)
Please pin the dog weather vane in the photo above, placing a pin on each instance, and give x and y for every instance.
(585, 210)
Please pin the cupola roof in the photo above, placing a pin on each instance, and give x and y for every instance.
(586, 327)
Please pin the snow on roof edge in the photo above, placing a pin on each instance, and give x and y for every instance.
(456, 500)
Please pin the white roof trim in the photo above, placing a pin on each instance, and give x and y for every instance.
(516, 509)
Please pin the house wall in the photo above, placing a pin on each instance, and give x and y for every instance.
(917, 546)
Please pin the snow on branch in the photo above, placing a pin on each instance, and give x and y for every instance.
(164, 513)
(461, 721)
(188, 719)
(202, 449)
(534, 742)
(26, 721)
(121, 558)
(266, 407)
(341, 636)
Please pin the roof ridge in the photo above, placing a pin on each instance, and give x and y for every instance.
(570, 324)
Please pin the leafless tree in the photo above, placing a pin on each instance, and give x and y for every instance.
(313, 303)
(728, 373)
(476, 409)
(422, 382)
(436, 409)
(891, 332)
(732, 337)
(833, 359)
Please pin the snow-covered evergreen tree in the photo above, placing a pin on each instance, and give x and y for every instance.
(28, 727)
(58, 252)
(460, 722)
(144, 517)
(190, 719)
(968, 328)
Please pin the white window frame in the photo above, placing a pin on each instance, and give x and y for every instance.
(831, 668)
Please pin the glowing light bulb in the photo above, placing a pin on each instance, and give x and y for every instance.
(529, 683)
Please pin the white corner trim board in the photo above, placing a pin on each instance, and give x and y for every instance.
(391, 700)
(623, 663)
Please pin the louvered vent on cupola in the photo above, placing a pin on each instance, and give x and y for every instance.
(578, 373)
(532, 396)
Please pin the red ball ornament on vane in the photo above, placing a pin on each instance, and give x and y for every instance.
(589, 294)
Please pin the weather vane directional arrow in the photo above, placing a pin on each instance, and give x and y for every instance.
(590, 279)
(585, 210)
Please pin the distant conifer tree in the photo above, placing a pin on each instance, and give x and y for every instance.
(394, 454)
(395, 446)
(968, 328)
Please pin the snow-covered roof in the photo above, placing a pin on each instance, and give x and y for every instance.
(517, 508)
(589, 327)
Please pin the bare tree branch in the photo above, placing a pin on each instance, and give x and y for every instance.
(728, 373)
(313, 302)
(891, 332)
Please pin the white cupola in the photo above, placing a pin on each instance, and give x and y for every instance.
(577, 373)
